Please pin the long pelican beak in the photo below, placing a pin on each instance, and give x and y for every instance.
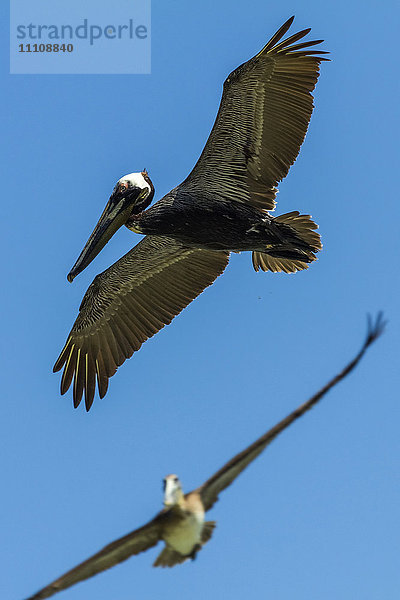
(116, 213)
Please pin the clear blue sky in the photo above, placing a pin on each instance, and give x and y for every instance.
(316, 516)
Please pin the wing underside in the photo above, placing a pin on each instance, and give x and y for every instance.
(262, 120)
(210, 490)
(127, 304)
(138, 541)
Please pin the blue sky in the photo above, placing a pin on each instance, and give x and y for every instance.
(317, 514)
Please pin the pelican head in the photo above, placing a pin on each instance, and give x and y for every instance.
(172, 490)
(131, 194)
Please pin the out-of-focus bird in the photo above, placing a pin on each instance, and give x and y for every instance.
(221, 207)
(181, 524)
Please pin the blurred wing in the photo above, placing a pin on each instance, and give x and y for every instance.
(223, 478)
(261, 123)
(116, 552)
(127, 304)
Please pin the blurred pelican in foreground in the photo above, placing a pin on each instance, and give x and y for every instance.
(181, 524)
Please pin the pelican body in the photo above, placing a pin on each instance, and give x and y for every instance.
(221, 207)
(215, 223)
(181, 524)
(186, 531)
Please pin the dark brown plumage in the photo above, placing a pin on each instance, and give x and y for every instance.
(129, 303)
(261, 123)
(220, 207)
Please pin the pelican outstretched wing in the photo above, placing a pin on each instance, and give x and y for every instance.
(210, 490)
(262, 120)
(138, 541)
(127, 304)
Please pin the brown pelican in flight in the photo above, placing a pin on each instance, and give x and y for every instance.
(221, 207)
(181, 523)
